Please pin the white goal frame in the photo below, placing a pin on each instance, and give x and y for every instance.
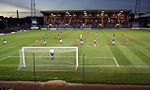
(22, 62)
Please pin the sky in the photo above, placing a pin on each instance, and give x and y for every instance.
(8, 8)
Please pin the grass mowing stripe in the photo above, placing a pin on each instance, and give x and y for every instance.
(122, 59)
(142, 50)
(19, 44)
(138, 52)
(14, 45)
(135, 60)
(139, 42)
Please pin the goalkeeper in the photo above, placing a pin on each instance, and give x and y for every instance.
(52, 52)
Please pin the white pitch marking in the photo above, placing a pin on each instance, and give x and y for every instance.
(49, 70)
(8, 57)
(116, 61)
(98, 57)
(107, 66)
(65, 56)
(4, 58)
(111, 66)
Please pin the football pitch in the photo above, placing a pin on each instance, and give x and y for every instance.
(104, 63)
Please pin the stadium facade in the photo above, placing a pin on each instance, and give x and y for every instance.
(87, 18)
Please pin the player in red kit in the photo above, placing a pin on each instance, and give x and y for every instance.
(87, 33)
(94, 42)
(37, 42)
(127, 41)
(122, 33)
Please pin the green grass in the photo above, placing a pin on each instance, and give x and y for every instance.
(96, 64)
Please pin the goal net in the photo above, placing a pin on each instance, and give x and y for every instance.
(48, 58)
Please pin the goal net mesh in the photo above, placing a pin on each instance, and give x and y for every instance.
(40, 58)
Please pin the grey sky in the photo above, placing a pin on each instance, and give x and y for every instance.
(24, 5)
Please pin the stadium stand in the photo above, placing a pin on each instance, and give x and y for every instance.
(87, 18)
(144, 20)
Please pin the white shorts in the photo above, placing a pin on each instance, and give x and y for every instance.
(60, 41)
(81, 42)
(113, 42)
(5, 42)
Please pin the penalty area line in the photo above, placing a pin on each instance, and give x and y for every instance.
(49, 70)
(4, 58)
(8, 57)
(116, 62)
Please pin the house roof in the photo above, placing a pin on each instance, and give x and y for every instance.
(146, 15)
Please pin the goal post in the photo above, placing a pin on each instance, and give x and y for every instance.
(63, 57)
